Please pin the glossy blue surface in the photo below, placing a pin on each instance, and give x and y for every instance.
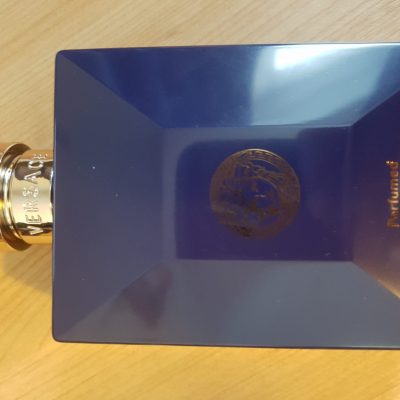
(141, 258)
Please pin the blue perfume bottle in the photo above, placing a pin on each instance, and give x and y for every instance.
(227, 195)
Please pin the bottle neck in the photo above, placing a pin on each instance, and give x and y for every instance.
(26, 207)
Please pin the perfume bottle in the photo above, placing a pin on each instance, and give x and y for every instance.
(218, 195)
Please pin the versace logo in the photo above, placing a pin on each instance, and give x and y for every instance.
(255, 193)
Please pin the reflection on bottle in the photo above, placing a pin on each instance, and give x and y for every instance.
(146, 296)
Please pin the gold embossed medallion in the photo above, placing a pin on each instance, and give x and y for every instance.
(255, 193)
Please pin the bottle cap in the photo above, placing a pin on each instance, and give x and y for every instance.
(26, 209)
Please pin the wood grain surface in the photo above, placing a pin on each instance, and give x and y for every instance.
(32, 364)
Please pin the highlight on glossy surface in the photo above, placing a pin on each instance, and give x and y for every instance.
(151, 263)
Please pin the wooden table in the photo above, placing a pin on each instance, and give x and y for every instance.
(32, 364)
